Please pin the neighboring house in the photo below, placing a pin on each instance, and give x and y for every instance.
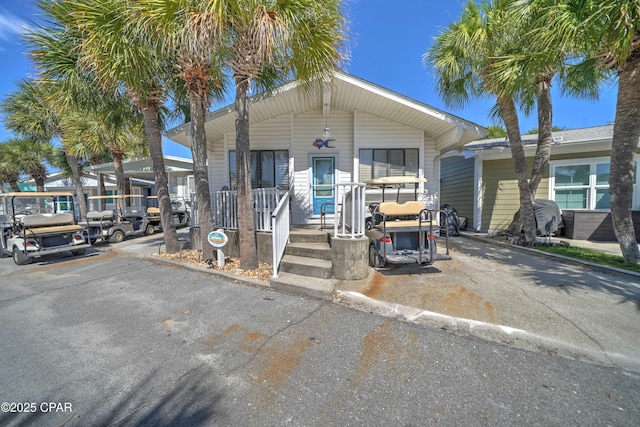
(482, 185)
(348, 131)
(91, 184)
(179, 173)
(139, 171)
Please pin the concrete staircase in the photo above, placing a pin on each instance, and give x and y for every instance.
(306, 265)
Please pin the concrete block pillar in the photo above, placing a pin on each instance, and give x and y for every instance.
(350, 259)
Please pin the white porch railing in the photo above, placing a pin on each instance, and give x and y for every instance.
(350, 206)
(225, 205)
(280, 233)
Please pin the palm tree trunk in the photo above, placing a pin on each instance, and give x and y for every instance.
(510, 117)
(200, 173)
(72, 161)
(13, 182)
(545, 137)
(39, 175)
(248, 251)
(103, 192)
(154, 139)
(121, 182)
(626, 132)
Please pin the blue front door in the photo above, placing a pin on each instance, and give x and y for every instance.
(323, 179)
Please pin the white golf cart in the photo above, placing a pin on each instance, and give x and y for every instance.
(179, 208)
(34, 224)
(112, 218)
(401, 232)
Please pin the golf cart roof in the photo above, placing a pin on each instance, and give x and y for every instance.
(37, 194)
(115, 196)
(395, 180)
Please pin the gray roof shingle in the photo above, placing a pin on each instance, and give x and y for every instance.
(596, 133)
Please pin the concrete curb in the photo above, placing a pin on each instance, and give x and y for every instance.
(590, 265)
(501, 334)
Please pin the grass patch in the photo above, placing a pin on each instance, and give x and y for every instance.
(590, 256)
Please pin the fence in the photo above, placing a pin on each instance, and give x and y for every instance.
(280, 234)
(350, 213)
(225, 208)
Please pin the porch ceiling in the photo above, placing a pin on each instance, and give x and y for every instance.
(348, 93)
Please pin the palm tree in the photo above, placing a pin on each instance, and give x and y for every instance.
(110, 47)
(115, 126)
(30, 156)
(9, 172)
(607, 34)
(193, 32)
(495, 131)
(500, 57)
(465, 57)
(35, 111)
(266, 41)
(541, 65)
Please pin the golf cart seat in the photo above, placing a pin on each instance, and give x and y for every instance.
(100, 215)
(153, 211)
(49, 223)
(402, 215)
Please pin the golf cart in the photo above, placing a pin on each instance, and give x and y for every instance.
(401, 232)
(112, 218)
(33, 224)
(179, 208)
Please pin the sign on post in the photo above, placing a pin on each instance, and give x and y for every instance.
(218, 240)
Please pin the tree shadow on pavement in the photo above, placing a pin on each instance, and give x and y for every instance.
(186, 402)
(564, 276)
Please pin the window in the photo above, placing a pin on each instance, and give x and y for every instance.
(64, 204)
(581, 184)
(378, 163)
(269, 168)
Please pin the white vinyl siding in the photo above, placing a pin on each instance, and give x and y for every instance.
(308, 127)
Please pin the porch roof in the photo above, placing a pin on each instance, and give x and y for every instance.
(348, 93)
(142, 167)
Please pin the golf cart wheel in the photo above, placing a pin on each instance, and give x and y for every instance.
(79, 251)
(375, 259)
(20, 259)
(368, 223)
(149, 230)
(117, 237)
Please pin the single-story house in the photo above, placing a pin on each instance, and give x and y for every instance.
(91, 184)
(480, 183)
(140, 169)
(349, 130)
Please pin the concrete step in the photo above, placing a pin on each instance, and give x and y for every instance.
(310, 250)
(305, 266)
(305, 235)
(303, 285)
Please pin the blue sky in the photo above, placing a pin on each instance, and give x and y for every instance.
(386, 46)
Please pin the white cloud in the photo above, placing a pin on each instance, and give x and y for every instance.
(11, 25)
